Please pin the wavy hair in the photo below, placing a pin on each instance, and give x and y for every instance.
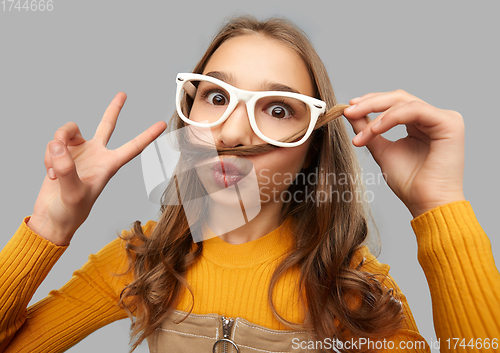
(325, 235)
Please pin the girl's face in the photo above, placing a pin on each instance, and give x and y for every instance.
(258, 63)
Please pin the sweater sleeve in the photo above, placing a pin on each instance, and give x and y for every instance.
(87, 302)
(456, 256)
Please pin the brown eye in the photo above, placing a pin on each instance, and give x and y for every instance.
(217, 98)
(278, 112)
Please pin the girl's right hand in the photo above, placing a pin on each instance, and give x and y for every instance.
(77, 172)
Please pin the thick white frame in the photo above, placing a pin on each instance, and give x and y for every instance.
(236, 95)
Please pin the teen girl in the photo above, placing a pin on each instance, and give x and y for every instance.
(294, 278)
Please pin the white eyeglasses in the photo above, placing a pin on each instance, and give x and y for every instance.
(274, 115)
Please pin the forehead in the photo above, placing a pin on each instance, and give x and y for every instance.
(252, 59)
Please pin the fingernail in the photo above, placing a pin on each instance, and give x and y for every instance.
(358, 136)
(51, 173)
(350, 108)
(377, 124)
(56, 149)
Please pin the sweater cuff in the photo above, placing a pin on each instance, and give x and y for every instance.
(446, 227)
(26, 229)
(423, 223)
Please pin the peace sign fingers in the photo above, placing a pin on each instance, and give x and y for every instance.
(108, 122)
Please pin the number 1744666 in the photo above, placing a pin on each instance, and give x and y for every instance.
(27, 5)
(473, 343)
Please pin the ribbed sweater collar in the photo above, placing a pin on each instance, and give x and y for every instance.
(265, 248)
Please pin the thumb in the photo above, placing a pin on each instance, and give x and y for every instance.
(65, 169)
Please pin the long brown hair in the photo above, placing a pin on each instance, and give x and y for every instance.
(325, 236)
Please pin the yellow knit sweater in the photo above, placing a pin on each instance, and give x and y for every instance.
(232, 280)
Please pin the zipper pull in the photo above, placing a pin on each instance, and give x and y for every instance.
(227, 323)
(226, 326)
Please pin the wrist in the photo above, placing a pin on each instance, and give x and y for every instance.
(47, 230)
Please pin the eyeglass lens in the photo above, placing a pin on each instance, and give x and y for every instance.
(276, 117)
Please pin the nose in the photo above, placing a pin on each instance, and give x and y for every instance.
(236, 130)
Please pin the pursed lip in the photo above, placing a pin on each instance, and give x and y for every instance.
(226, 167)
(226, 173)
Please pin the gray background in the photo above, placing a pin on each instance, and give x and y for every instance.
(67, 65)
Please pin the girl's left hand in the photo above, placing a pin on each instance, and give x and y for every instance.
(425, 169)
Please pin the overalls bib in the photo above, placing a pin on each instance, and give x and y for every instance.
(213, 333)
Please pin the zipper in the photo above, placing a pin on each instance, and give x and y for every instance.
(226, 340)
(227, 322)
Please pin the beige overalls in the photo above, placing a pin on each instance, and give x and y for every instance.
(213, 333)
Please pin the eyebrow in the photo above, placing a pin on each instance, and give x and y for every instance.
(272, 86)
(268, 86)
(221, 76)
